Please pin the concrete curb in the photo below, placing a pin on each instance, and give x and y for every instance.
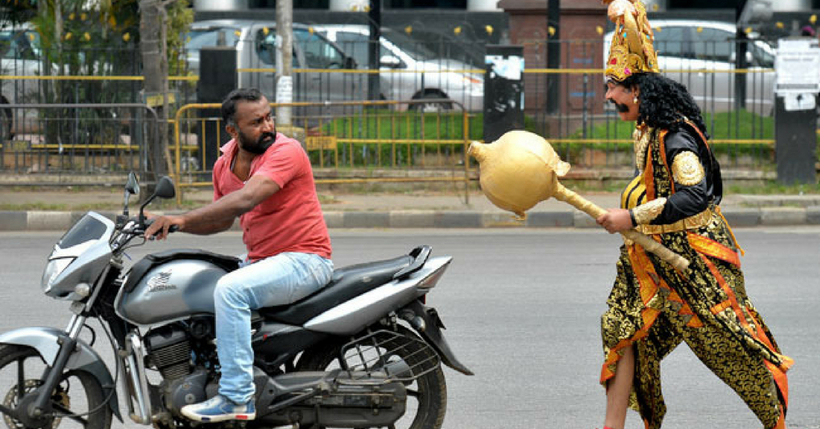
(737, 217)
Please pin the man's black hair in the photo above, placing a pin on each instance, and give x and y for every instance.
(239, 94)
(663, 102)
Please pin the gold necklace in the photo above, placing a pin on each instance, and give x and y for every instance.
(642, 136)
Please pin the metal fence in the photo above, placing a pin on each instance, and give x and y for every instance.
(87, 75)
(593, 135)
(360, 138)
(78, 139)
(737, 104)
(565, 105)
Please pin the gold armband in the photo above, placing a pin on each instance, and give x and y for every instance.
(647, 212)
(692, 222)
(686, 169)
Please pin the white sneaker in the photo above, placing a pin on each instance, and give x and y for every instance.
(219, 409)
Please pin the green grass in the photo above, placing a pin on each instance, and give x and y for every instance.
(387, 125)
(392, 128)
(380, 124)
(743, 125)
(774, 188)
(723, 125)
(374, 124)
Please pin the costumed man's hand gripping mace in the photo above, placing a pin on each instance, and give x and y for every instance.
(521, 169)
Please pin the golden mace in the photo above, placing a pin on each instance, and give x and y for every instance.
(521, 169)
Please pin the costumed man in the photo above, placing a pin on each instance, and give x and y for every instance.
(264, 178)
(674, 198)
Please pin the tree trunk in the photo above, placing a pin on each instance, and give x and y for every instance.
(152, 71)
(52, 90)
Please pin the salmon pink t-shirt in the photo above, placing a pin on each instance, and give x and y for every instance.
(290, 220)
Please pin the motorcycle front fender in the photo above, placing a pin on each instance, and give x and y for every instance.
(47, 340)
(430, 330)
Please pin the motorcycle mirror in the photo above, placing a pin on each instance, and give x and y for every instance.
(132, 187)
(164, 189)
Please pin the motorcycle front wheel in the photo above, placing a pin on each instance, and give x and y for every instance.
(76, 402)
(426, 395)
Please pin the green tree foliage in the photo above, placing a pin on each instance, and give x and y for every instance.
(95, 38)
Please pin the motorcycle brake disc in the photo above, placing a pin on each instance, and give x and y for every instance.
(10, 401)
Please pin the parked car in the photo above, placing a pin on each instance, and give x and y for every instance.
(688, 48)
(412, 70)
(19, 56)
(208, 33)
(255, 43)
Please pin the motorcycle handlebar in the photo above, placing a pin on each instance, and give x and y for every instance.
(147, 222)
(140, 225)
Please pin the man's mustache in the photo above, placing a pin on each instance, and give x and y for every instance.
(623, 108)
(266, 136)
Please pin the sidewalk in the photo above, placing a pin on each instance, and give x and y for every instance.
(58, 210)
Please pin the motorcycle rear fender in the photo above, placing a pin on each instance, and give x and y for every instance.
(47, 340)
(431, 332)
(353, 315)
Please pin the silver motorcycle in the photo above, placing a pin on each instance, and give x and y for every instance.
(363, 352)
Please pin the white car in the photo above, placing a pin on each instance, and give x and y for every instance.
(255, 43)
(412, 71)
(19, 56)
(701, 55)
(205, 34)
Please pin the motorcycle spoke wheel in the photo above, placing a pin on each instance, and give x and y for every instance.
(76, 395)
(426, 395)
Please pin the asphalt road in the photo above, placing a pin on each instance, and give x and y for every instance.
(522, 311)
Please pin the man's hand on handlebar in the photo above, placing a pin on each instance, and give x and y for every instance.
(162, 225)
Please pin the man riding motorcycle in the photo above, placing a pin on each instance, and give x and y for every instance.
(265, 179)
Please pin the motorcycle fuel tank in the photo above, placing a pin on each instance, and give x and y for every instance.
(170, 291)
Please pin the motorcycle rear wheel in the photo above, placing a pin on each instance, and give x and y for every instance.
(426, 395)
(77, 401)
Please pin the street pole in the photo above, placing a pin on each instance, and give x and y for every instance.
(284, 60)
(553, 54)
(741, 47)
(373, 52)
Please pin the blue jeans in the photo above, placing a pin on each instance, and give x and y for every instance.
(278, 280)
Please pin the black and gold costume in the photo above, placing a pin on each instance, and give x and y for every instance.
(654, 308)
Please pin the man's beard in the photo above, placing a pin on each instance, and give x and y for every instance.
(623, 108)
(260, 145)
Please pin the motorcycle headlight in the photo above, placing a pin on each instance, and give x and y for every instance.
(53, 269)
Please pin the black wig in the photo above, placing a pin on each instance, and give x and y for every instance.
(663, 102)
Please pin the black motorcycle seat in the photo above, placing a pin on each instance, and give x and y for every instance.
(227, 263)
(346, 283)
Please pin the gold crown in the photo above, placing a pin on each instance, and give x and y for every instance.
(631, 49)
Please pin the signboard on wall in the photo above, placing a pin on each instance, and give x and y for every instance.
(798, 73)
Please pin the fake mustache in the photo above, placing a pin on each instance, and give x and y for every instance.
(623, 108)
